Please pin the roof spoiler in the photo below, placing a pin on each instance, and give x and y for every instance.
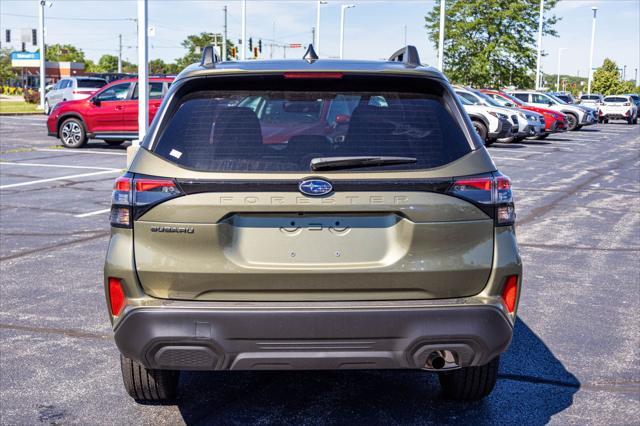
(210, 57)
(408, 55)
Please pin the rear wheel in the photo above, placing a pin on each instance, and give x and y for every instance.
(115, 142)
(572, 121)
(629, 120)
(539, 137)
(72, 134)
(481, 130)
(470, 383)
(146, 385)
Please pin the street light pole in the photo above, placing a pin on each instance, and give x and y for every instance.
(119, 53)
(593, 38)
(540, 22)
(344, 8)
(143, 71)
(317, 36)
(243, 48)
(441, 36)
(558, 81)
(43, 71)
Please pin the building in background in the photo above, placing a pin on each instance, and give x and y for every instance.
(28, 63)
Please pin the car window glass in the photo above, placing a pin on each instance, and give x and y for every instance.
(117, 92)
(615, 99)
(538, 98)
(155, 90)
(284, 130)
(472, 99)
(522, 96)
(90, 83)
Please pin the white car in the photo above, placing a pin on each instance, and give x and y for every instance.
(71, 89)
(525, 123)
(618, 107)
(593, 100)
(490, 123)
(577, 115)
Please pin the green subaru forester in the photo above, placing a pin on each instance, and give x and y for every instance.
(312, 214)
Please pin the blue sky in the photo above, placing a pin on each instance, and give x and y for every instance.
(374, 29)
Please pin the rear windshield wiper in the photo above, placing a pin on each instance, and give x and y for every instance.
(338, 163)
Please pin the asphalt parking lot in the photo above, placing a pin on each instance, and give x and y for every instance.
(575, 357)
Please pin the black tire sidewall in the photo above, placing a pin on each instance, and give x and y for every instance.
(572, 122)
(481, 130)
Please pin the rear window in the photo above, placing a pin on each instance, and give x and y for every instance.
(90, 83)
(615, 99)
(589, 97)
(283, 130)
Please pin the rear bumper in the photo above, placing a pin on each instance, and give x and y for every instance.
(372, 335)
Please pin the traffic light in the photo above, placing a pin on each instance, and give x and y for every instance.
(34, 37)
(260, 45)
(255, 53)
(234, 52)
(250, 44)
(7, 37)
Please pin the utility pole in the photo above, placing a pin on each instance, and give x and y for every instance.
(243, 48)
(636, 78)
(540, 22)
(43, 71)
(558, 79)
(441, 36)
(313, 34)
(119, 53)
(624, 73)
(273, 41)
(593, 38)
(224, 35)
(405, 35)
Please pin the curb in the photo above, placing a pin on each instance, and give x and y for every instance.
(20, 113)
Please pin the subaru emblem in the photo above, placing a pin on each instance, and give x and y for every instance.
(315, 187)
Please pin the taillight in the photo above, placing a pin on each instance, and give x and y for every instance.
(492, 193)
(626, 104)
(116, 296)
(510, 293)
(132, 196)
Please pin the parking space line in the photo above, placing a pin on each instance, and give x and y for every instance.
(62, 166)
(507, 158)
(35, 182)
(92, 213)
(84, 151)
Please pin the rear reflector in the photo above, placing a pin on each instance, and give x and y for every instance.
(312, 75)
(510, 293)
(116, 296)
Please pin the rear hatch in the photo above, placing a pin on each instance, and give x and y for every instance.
(615, 105)
(373, 203)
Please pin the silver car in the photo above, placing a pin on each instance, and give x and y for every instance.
(70, 89)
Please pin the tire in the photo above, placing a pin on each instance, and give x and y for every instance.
(47, 107)
(572, 122)
(629, 120)
(579, 127)
(115, 142)
(72, 133)
(540, 137)
(519, 139)
(470, 383)
(481, 130)
(146, 385)
(635, 120)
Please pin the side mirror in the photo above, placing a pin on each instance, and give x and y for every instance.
(48, 87)
(342, 118)
(510, 105)
(550, 103)
(94, 100)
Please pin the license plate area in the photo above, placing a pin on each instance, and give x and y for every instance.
(315, 240)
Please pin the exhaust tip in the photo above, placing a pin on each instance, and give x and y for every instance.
(441, 360)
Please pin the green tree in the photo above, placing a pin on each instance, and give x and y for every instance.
(606, 80)
(64, 53)
(490, 42)
(158, 66)
(6, 71)
(194, 44)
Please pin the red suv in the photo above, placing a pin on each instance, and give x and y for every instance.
(110, 114)
(554, 120)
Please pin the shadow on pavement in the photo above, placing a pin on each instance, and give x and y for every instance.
(533, 386)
